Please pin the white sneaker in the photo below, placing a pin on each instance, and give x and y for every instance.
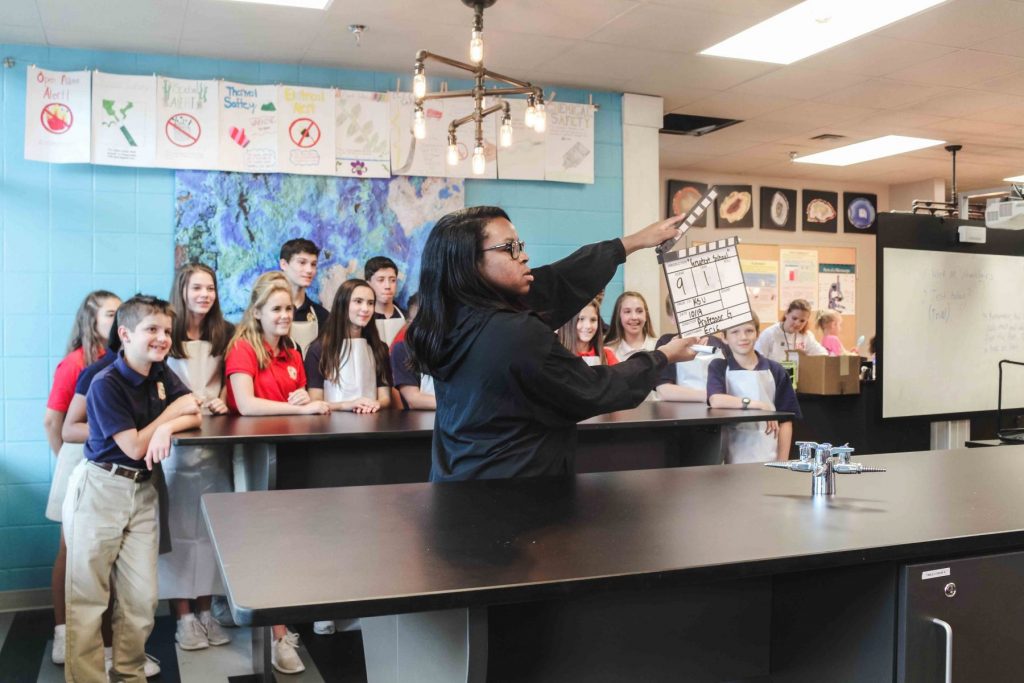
(284, 655)
(323, 628)
(152, 666)
(215, 635)
(59, 645)
(190, 634)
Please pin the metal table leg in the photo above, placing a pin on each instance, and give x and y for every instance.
(427, 647)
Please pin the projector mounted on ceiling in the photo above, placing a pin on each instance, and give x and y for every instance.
(1007, 213)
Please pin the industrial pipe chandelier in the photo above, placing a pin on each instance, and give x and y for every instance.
(535, 117)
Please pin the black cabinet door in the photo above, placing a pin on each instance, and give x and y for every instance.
(982, 601)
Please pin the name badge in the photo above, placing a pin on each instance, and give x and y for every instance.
(292, 372)
(311, 316)
(160, 391)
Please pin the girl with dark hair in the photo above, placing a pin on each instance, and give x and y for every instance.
(199, 338)
(509, 394)
(87, 343)
(348, 366)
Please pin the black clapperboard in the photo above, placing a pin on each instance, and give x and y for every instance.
(705, 282)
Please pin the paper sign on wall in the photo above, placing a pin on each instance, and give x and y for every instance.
(570, 142)
(798, 273)
(525, 159)
(707, 288)
(362, 142)
(837, 287)
(410, 156)
(306, 130)
(123, 120)
(188, 116)
(248, 127)
(762, 279)
(57, 111)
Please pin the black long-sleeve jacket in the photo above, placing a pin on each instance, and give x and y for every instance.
(509, 394)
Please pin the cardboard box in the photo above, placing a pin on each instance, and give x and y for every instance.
(828, 375)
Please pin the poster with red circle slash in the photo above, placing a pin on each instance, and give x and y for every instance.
(183, 130)
(304, 133)
(56, 118)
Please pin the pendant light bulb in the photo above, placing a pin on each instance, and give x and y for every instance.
(453, 152)
(476, 47)
(505, 132)
(419, 124)
(540, 118)
(419, 84)
(531, 115)
(479, 163)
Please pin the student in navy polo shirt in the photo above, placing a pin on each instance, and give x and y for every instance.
(382, 274)
(110, 511)
(298, 263)
(749, 381)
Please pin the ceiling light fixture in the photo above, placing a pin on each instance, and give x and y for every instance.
(1013, 179)
(814, 26)
(535, 118)
(296, 4)
(878, 148)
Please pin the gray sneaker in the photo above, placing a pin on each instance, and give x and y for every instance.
(190, 634)
(222, 611)
(215, 635)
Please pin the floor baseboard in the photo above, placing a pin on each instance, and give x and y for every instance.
(35, 598)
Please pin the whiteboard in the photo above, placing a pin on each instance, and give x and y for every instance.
(948, 319)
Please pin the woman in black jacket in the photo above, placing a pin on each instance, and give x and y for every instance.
(508, 394)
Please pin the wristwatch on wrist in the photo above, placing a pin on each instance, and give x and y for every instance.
(746, 403)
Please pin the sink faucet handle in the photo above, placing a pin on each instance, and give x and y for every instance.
(844, 453)
(806, 449)
(822, 452)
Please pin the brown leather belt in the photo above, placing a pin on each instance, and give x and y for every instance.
(127, 472)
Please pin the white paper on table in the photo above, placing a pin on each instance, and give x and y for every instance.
(57, 114)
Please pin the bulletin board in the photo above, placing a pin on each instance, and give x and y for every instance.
(840, 265)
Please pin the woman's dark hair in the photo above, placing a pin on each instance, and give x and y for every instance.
(335, 344)
(213, 329)
(450, 277)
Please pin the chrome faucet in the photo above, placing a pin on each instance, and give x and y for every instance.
(826, 462)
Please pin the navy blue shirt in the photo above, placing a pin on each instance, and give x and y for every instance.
(120, 399)
(668, 375)
(87, 375)
(785, 397)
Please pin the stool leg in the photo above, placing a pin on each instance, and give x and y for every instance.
(262, 641)
(427, 647)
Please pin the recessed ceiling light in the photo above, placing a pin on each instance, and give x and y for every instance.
(813, 26)
(1014, 179)
(878, 148)
(300, 4)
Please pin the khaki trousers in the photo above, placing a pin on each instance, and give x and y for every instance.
(112, 535)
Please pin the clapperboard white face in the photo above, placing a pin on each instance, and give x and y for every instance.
(707, 288)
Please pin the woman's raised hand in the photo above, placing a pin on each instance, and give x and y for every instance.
(653, 235)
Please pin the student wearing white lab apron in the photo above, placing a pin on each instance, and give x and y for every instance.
(199, 338)
(298, 262)
(790, 334)
(687, 382)
(382, 275)
(631, 329)
(349, 368)
(581, 335)
(749, 381)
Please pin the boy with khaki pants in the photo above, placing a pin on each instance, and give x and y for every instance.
(110, 511)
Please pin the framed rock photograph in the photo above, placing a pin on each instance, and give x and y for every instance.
(734, 206)
(682, 195)
(820, 211)
(778, 209)
(860, 213)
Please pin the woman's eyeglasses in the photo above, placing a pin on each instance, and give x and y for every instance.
(513, 247)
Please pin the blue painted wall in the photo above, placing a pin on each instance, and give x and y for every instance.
(68, 229)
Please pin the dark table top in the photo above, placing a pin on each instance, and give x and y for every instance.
(364, 551)
(391, 424)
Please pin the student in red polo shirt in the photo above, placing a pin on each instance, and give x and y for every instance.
(266, 377)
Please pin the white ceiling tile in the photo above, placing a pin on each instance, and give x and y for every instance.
(736, 105)
(881, 93)
(798, 82)
(955, 126)
(1013, 84)
(23, 35)
(959, 23)
(1006, 44)
(680, 98)
(111, 20)
(818, 114)
(956, 102)
(18, 13)
(565, 18)
(669, 28)
(961, 68)
(875, 55)
(1011, 113)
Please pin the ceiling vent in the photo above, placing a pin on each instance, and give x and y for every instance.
(828, 136)
(687, 124)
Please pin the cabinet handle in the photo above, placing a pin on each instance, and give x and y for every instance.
(949, 648)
